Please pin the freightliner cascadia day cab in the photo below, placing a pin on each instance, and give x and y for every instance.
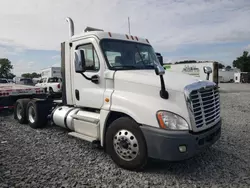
(118, 96)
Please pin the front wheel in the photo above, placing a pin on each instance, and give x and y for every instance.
(126, 144)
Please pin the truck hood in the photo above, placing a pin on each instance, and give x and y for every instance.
(173, 80)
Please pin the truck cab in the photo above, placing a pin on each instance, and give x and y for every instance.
(116, 93)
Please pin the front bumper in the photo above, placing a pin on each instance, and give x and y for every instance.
(163, 144)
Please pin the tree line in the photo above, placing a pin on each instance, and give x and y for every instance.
(6, 67)
(242, 62)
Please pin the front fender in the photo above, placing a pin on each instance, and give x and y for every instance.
(143, 107)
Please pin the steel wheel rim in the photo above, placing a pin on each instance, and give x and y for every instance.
(19, 111)
(31, 114)
(126, 145)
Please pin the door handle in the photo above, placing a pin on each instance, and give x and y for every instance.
(77, 94)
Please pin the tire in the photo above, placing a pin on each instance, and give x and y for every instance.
(20, 110)
(124, 130)
(51, 91)
(36, 115)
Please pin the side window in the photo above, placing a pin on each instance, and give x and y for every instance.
(91, 58)
(114, 58)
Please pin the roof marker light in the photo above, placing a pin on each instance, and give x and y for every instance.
(110, 34)
(132, 37)
(136, 38)
(147, 40)
(127, 36)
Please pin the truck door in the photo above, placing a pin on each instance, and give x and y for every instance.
(85, 92)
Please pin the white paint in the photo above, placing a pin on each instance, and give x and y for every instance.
(193, 69)
(237, 77)
(46, 84)
(91, 94)
(136, 93)
(51, 72)
(226, 76)
(82, 136)
(133, 92)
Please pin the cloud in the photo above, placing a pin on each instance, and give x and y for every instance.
(56, 65)
(22, 66)
(6, 51)
(167, 24)
(56, 57)
(248, 48)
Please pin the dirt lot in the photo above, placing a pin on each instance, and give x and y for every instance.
(50, 158)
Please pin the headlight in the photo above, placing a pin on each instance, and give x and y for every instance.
(169, 120)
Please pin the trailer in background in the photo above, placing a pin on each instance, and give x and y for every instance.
(17, 79)
(9, 93)
(242, 77)
(226, 75)
(51, 72)
(196, 69)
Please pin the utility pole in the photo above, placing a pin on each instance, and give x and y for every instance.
(128, 25)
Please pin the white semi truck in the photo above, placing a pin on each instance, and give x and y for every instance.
(118, 96)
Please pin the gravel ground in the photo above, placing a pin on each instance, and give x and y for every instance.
(50, 158)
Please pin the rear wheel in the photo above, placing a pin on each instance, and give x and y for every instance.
(51, 91)
(37, 116)
(126, 144)
(20, 110)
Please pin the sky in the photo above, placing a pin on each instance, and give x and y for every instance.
(32, 30)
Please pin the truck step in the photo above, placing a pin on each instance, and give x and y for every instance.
(82, 136)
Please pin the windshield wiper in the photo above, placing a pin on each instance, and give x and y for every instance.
(149, 66)
(140, 55)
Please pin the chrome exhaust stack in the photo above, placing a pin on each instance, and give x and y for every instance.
(71, 26)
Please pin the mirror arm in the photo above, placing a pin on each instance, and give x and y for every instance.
(208, 76)
(94, 79)
(85, 76)
(163, 93)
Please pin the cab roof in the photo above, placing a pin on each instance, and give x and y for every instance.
(109, 35)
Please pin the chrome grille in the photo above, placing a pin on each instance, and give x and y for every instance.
(205, 105)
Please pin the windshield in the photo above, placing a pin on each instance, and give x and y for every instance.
(54, 80)
(26, 81)
(122, 55)
(3, 81)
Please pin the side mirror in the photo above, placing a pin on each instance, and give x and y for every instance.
(160, 58)
(159, 70)
(80, 65)
(207, 70)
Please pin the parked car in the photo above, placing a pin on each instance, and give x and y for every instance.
(26, 81)
(3, 81)
(51, 84)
